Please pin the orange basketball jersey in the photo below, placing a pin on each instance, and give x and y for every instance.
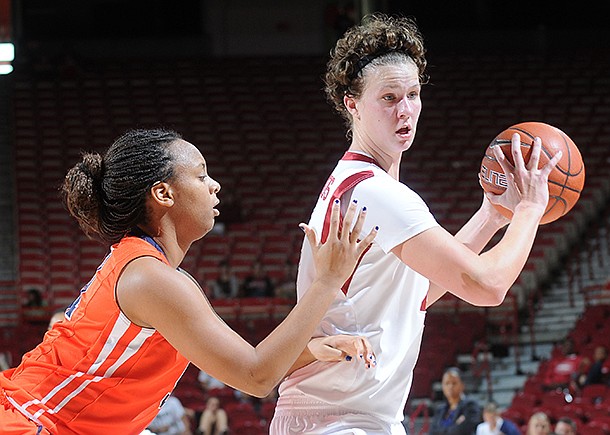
(96, 372)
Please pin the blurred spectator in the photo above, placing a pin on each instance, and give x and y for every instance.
(33, 298)
(258, 284)
(5, 361)
(286, 286)
(172, 419)
(33, 307)
(458, 415)
(56, 317)
(539, 424)
(566, 426)
(597, 371)
(494, 424)
(563, 367)
(227, 284)
(214, 419)
(207, 382)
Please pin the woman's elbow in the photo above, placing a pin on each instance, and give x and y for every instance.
(486, 292)
(495, 299)
(494, 294)
(261, 385)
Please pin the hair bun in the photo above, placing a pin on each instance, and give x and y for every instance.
(82, 191)
(91, 166)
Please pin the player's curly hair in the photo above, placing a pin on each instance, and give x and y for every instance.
(379, 40)
(107, 195)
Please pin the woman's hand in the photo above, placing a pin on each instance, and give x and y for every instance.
(336, 258)
(343, 347)
(526, 184)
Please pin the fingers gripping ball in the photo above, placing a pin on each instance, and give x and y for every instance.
(566, 180)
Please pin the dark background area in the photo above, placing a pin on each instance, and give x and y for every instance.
(112, 19)
(451, 25)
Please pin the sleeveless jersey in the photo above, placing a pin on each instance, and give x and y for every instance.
(384, 300)
(96, 372)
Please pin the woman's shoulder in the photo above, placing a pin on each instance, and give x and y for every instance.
(392, 189)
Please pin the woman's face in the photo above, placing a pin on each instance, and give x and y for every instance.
(194, 191)
(452, 386)
(385, 116)
(538, 426)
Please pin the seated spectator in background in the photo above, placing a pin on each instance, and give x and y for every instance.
(33, 299)
(226, 285)
(566, 426)
(286, 287)
(258, 284)
(597, 372)
(458, 415)
(33, 307)
(563, 367)
(538, 424)
(214, 420)
(172, 419)
(494, 424)
(5, 361)
(207, 382)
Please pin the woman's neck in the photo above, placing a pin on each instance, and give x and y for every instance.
(169, 245)
(454, 402)
(387, 162)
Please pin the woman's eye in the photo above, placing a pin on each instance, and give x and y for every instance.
(388, 97)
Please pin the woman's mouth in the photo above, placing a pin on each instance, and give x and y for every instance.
(404, 131)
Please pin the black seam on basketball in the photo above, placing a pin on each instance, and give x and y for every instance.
(525, 132)
(565, 187)
(567, 147)
(558, 199)
(567, 172)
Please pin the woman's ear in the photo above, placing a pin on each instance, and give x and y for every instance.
(350, 104)
(162, 194)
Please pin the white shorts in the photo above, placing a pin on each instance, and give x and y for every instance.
(300, 415)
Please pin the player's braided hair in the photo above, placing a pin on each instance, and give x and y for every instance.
(107, 195)
(379, 40)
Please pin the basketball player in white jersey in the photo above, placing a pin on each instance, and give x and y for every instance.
(374, 80)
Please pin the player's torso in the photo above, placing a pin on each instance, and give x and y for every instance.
(382, 301)
(97, 358)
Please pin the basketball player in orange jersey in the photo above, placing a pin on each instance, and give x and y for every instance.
(374, 80)
(129, 336)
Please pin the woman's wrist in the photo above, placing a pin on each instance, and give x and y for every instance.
(493, 217)
(531, 208)
(325, 282)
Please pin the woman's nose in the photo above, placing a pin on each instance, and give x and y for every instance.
(403, 109)
(215, 186)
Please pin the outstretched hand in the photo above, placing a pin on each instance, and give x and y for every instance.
(526, 184)
(343, 348)
(336, 258)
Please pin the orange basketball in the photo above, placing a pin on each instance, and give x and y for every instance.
(566, 180)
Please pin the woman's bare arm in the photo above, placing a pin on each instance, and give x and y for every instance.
(155, 295)
(475, 235)
(484, 279)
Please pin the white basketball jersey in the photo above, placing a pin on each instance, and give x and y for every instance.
(384, 300)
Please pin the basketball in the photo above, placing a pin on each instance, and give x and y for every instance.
(566, 180)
